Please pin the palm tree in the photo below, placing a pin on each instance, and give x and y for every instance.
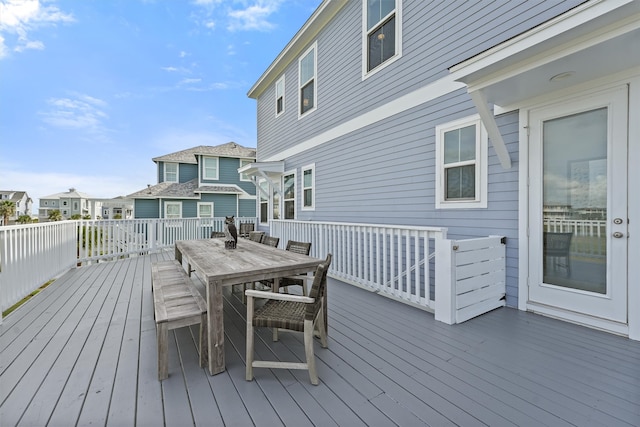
(7, 210)
(25, 219)
(55, 215)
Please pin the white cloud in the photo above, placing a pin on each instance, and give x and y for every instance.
(254, 17)
(78, 112)
(21, 17)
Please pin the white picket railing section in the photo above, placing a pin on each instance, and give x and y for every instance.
(393, 260)
(33, 254)
(401, 262)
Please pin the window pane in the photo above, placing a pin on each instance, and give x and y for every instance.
(306, 98)
(289, 209)
(306, 67)
(210, 168)
(289, 187)
(460, 145)
(308, 197)
(378, 9)
(205, 211)
(279, 105)
(308, 178)
(460, 182)
(382, 43)
(264, 207)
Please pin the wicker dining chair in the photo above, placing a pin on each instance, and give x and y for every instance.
(292, 312)
(300, 248)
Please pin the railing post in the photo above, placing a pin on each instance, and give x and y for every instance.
(445, 281)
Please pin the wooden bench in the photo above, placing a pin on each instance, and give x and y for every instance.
(177, 303)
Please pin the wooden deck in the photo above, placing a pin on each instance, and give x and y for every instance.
(84, 352)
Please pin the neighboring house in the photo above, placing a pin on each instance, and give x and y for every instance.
(199, 182)
(488, 118)
(69, 203)
(21, 200)
(116, 208)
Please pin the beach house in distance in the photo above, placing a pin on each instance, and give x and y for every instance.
(199, 182)
(504, 118)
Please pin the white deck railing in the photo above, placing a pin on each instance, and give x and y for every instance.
(397, 261)
(33, 254)
(394, 260)
(589, 235)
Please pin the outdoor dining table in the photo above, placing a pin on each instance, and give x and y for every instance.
(217, 267)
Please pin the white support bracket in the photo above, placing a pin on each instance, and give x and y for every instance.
(489, 121)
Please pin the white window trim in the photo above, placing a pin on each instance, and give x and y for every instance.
(244, 176)
(311, 167)
(295, 198)
(482, 140)
(177, 171)
(365, 46)
(172, 203)
(280, 80)
(268, 201)
(313, 47)
(204, 204)
(204, 169)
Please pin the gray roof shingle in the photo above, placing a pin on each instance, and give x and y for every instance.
(230, 149)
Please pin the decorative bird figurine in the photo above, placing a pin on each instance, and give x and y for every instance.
(230, 233)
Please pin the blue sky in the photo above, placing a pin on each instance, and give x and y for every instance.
(91, 90)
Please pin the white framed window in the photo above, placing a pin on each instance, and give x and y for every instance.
(172, 210)
(461, 164)
(280, 96)
(309, 187)
(381, 35)
(264, 201)
(210, 168)
(307, 82)
(205, 209)
(244, 176)
(170, 172)
(289, 195)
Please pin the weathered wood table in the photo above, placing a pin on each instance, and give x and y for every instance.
(218, 267)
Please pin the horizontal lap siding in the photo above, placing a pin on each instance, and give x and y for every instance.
(146, 209)
(385, 172)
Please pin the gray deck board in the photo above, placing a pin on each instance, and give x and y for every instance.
(83, 352)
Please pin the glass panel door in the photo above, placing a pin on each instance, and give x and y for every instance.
(575, 201)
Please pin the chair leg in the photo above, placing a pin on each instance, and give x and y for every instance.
(308, 350)
(162, 336)
(322, 330)
(249, 355)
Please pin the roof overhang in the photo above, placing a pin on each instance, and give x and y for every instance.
(264, 170)
(591, 41)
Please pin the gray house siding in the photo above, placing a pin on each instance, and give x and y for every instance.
(434, 38)
(186, 172)
(146, 208)
(247, 207)
(385, 172)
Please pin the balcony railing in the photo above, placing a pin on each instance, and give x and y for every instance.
(415, 265)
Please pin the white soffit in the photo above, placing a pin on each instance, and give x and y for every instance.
(593, 40)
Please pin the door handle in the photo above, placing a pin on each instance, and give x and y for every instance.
(618, 235)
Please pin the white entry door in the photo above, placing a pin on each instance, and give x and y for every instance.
(578, 209)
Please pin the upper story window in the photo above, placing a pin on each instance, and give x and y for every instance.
(307, 80)
(308, 187)
(244, 176)
(461, 157)
(210, 168)
(382, 33)
(170, 172)
(289, 195)
(280, 96)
